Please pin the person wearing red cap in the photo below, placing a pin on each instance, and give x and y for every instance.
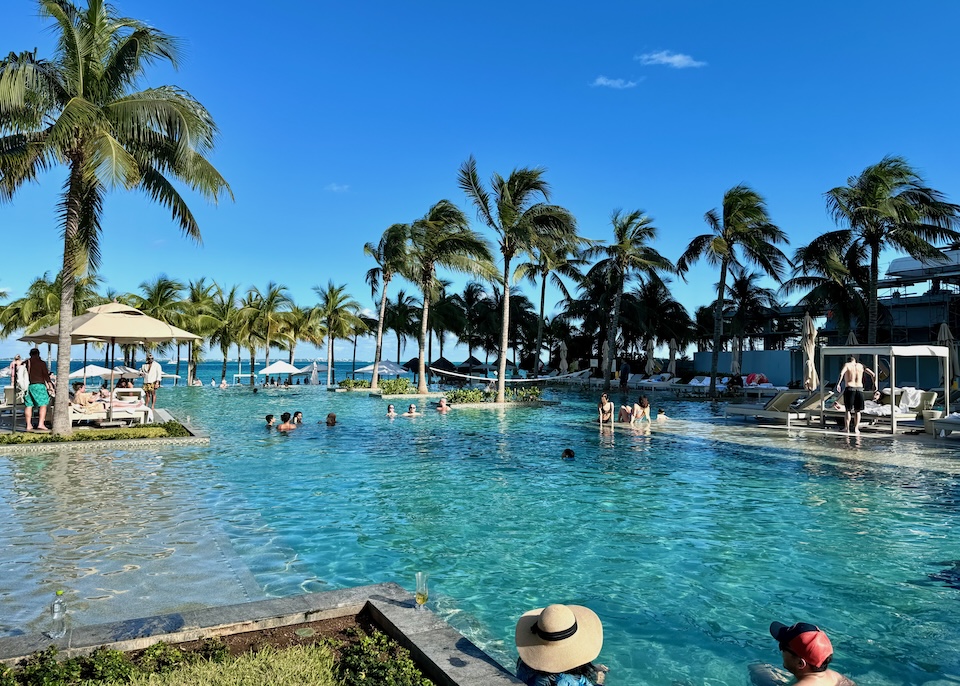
(807, 652)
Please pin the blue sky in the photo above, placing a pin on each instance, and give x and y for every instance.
(349, 117)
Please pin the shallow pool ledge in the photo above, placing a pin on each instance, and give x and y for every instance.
(444, 655)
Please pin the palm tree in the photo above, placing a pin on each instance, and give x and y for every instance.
(447, 315)
(519, 222)
(224, 310)
(742, 226)
(249, 334)
(197, 319)
(271, 312)
(399, 317)
(82, 109)
(390, 254)
(550, 259)
(651, 311)
(161, 298)
(629, 256)
(338, 313)
(441, 238)
(751, 304)
(303, 325)
(887, 205)
(478, 309)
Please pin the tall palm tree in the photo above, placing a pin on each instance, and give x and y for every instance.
(550, 259)
(390, 254)
(249, 332)
(513, 213)
(441, 238)
(742, 226)
(304, 325)
(224, 310)
(887, 205)
(160, 298)
(477, 307)
(628, 256)
(651, 311)
(751, 304)
(197, 319)
(338, 312)
(400, 317)
(271, 311)
(447, 315)
(82, 109)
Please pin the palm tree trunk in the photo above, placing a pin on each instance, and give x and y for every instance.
(329, 357)
(353, 372)
(872, 304)
(223, 369)
(177, 381)
(717, 329)
(68, 286)
(376, 358)
(191, 368)
(253, 363)
(543, 300)
(267, 358)
(398, 347)
(424, 327)
(293, 349)
(504, 333)
(612, 338)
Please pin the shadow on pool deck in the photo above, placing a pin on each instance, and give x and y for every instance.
(442, 653)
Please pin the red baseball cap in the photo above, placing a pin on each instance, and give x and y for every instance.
(804, 640)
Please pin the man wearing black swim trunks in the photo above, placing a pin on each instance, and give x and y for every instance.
(852, 373)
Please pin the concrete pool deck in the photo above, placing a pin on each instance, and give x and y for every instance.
(443, 654)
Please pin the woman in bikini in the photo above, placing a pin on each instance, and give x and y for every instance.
(639, 411)
(605, 410)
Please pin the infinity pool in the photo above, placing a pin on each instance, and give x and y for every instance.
(687, 541)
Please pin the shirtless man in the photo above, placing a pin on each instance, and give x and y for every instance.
(605, 410)
(287, 425)
(443, 408)
(852, 373)
(807, 653)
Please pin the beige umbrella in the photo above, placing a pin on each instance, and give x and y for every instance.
(650, 362)
(116, 323)
(811, 379)
(735, 359)
(852, 338)
(672, 364)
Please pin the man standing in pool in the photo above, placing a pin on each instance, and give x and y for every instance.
(807, 653)
(852, 373)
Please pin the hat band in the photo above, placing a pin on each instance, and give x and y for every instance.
(553, 635)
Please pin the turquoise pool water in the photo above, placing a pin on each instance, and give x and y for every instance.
(687, 541)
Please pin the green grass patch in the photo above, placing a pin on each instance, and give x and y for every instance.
(159, 430)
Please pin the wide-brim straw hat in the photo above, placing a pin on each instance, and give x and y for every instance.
(558, 638)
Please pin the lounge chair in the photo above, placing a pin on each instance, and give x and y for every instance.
(946, 425)
(658, 382)
(130, 415)
(781, 407)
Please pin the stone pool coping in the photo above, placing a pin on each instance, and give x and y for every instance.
(443, 654)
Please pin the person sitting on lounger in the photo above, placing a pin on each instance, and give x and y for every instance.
(84, 401)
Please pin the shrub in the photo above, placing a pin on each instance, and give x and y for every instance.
(161, 430)
(163, 657)
(465, 395)
(354, 383)
(376, 659)
(401, 386)
(104, 664)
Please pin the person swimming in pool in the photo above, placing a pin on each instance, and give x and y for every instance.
(391, 412)
(412, 412)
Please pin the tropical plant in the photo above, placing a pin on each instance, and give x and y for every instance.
(741, 227)
(628, 256)
(511, 211)
(197, 319)
(338, 313)
(161, 298)
(302, 325)
(888, 205)
(390, 254)
(223, 310)
(480, 315)
(82, 109)
(400, 317)
(752, 305)
(270, 312)
(447, 315)
(552, 257)
(441, 238)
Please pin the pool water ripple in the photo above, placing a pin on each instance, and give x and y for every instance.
(687, 540)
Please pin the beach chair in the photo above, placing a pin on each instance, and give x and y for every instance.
(779, 407)
(946, 425)
(909, 410)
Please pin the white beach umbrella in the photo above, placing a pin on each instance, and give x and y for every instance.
(852, 338)
(811, 379)
(91, 370)
(672, 365)
(735, 359)
(385, 368)
(650, 362)
(279, 367)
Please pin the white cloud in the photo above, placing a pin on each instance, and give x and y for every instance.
(337, 187)
(676, 60)
(613, 83)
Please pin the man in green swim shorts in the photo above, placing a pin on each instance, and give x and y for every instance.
(36, 395)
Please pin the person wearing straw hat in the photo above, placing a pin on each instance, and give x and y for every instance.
(557, 645)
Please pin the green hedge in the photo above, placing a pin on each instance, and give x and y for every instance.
(354, 383)
(477, 395)
(159, 430)
(401, 386)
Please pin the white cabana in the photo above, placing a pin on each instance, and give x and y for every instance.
(892, 352)
(385, 368)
